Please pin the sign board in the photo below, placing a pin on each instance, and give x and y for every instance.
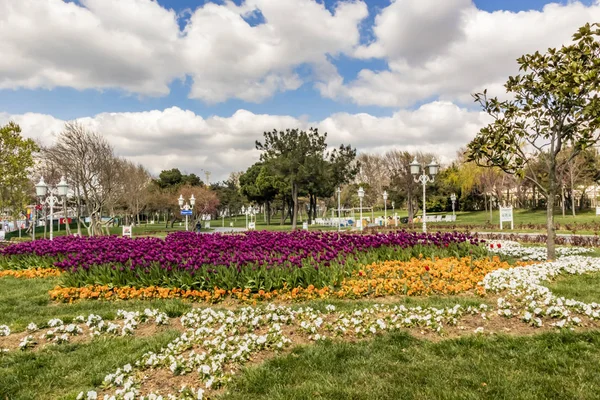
(597, 210)
(2, 235)
(231, 224)
(207, 225)
(127, 231)
(359, 223)
(252, 225)
(64, 221)
(506, 215)
(186, 212)
(305, 226)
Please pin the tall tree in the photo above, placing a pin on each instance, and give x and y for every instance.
(136, 184)
(290, 154)
(16, 162)
(260, 185)
(173, 178)
(554, 108)
(89, 163)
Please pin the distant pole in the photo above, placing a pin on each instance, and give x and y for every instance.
(361, 194)
(385, 197)
(339, 192)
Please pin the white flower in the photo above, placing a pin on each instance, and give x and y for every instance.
(4, 330)
(92, 395)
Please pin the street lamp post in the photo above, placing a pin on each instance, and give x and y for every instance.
(453, 199)
(361, 194)
(339, 193)
(385, 197)
(424, 179)
(43, 190)
(186, 207)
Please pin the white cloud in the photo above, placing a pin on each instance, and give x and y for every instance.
(459, 51)
(137, 45)
(107, 44)
(416, 30)
(179, 138)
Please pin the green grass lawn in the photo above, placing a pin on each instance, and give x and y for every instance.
(477, 219)
(398, 366)
(26, 300)
(584, 288)
(58, 372)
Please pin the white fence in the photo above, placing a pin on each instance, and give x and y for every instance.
(440, 218)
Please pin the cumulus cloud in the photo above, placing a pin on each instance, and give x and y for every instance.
(447, 50)
(416, 30)
(137, 45)
(179, 138)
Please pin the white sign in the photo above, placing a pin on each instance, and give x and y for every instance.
(506, 215)
(597, 210)
(127, 230)
(2, 235)
(207, 225)
(305, 226)
(252, 225)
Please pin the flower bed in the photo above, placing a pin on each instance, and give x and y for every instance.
(216, 343)
(415, 277)
(534, 253)
(31, 273)
(257, 260)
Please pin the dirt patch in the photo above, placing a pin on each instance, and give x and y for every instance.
(162, 380)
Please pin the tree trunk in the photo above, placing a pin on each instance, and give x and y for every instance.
(411, 210)
(491, 209)
(78, 213)
(283, 211)
(268, 212)
(295, 205)
(310, 210)
(485, 203)
(572, 193)
(562, 200)
(551, 232)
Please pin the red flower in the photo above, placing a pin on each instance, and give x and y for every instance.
(491, 245)
(360, 273)
(427, 268)
(499, 245)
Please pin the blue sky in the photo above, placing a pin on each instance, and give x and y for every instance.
(68, 103)
(193, 83)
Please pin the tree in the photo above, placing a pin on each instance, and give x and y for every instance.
(95, 174)
(16, 162)
(173, 178)
(259, 184)
(402, 183)
(554, 109)
(290, 153)
(229, 196)
(136, 184)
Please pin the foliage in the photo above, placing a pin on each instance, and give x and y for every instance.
(300, 160)
(173, 178)
(16, 162)
(555, 108)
